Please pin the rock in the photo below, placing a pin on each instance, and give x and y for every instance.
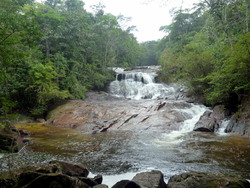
(56, 180)
(101, 186)
(88, 181)
(7, 183)
(153, 179)
(240, 122)
(206, 123)
(41, 120)
(24, 133)
(55, 174)
(206, 180)
(70, 169)
(10, 142)
(211, 120)
(239, 127)
(98, 179)
(126, 184)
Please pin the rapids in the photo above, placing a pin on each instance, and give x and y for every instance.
(149, 126)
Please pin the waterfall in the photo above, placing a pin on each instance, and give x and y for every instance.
(139, 85)
(223, 126)
(176, 137)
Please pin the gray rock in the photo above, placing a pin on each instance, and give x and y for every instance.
(239, 127)
(240, 122)
(211, 120)
(206, 180)
(153, 179)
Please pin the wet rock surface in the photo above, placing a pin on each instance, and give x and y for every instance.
(11, 138)
(126, 184)
(206, 180)
(150, 179)
(54, 174)
(100, 112)
(210, 121)
(240, 122)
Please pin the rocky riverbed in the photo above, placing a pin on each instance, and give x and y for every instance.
(144, 127)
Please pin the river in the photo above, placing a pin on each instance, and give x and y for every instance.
(153, 131)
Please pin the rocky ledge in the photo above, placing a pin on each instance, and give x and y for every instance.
(65, 175)
(239, 123)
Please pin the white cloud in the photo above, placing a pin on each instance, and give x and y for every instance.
(147, 15)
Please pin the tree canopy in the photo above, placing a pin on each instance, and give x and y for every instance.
(208, 48)
(57, 50)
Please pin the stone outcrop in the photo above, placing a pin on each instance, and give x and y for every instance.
(55, 174)
(210, 120)
(240, 122)
(65, 175)
(101, 112)
(10, 138)
(206, 180)
(153, 179)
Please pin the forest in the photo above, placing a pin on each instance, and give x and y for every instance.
(208, 48)
(57, 50)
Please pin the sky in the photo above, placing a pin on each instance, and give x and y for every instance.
(147, 15)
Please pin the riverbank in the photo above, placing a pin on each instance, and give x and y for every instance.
(68, 175)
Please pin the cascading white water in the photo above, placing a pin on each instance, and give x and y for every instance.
(139, 85)
(187, 126)
(222, 128)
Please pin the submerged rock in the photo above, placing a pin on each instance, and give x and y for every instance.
(206, 180)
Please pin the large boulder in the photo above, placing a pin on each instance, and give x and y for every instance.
(240, 122)
(126, 184)
(55, 180)
(210, 120)
(153, 179)
(70, 169)
(239, 126)
(55, 174)
(101, 186)
(206, 180)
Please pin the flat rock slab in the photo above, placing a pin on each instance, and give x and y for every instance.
(100, 112)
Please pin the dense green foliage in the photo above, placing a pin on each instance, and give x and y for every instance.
(57, 50)
(208, 47)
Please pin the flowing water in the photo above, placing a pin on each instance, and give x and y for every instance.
(119, 154)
